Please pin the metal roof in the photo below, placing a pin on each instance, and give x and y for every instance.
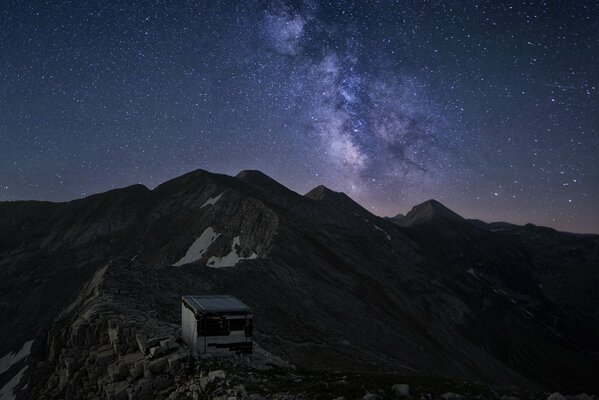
(215, 303)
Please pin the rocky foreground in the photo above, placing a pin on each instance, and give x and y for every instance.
(106, 346)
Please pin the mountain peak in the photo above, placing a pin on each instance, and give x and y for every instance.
(430, 210)
(323, 194)
(252, 174)
(259, 179)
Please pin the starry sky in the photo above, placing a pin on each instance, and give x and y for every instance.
(490, 107)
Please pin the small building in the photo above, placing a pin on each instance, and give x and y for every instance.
(216, 325)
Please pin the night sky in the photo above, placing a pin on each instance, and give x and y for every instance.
(490, 108)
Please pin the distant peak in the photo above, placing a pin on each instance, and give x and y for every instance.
(322, 192)
(252, 174)
(318, 192)
(430, 210)
(330, 197)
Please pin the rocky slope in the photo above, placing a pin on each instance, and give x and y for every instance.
(332, 287)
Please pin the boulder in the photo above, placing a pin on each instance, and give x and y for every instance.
(159, 366)
(400, 390)
(155, 351)
(212, 376)
(168, 346)
(176, 359)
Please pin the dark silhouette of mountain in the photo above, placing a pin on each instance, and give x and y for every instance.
(429, 212)
(332, 285)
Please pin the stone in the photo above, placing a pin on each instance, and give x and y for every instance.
(114, 372)
(212, 376)
(451, 396)
(556, 396)
(161, 382)
(137, 370)
(131, 358)
(116, 391)
(155, 351)
(105, 357)
(176, 359)
(240, 390)
(143, 389)
(218, 374)
(400, 390)
(168, 346)
(142, 343)
(147, 372)
(159, 366)
(372, 396)
(256, 396)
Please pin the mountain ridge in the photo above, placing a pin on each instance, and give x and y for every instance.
(325, 273)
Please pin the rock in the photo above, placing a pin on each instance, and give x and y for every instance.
(161, 382)
(105, 357)
(115, 373)
(451, 396)
(256, 396)
(556, 396)
(506, 397)
(143, 389)
(142, 343)
(155, 351)
(240, 390)
(168, 346)
(339, 398)
(400, 390)
(136, 370)
(116, 391)
(581, 396)
(159, 366)
(372, 396)
(212, 376)
(176, 359)
(220, 374)
(146, 367)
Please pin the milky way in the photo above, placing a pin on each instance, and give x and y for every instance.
(489, 108)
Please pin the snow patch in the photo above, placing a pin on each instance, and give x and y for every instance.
(501, 292)
(7, 391)
(230, 259)
(211, 201)
(382, 230)
(199, 247)
(12, 358)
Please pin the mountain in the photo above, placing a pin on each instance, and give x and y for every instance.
(429, 212)
(84, 285)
